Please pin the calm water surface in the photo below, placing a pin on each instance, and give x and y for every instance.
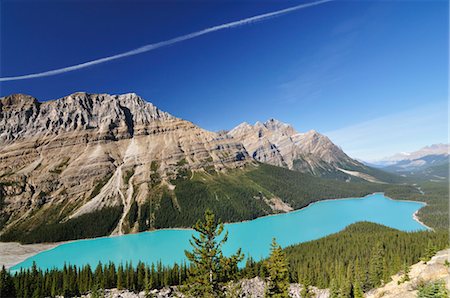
(254, 237)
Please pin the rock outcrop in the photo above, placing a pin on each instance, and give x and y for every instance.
(435, 270)
(421, 274)
(246, 288)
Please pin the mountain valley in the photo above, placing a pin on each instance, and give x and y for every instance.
(120, 161)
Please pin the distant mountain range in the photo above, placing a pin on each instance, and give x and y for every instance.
(431, 162)
(121, 162)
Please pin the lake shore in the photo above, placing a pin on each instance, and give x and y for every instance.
(13, 253)
(416, 218)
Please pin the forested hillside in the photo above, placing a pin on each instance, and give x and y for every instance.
(435, 194)
(362, 256)
(235, 195)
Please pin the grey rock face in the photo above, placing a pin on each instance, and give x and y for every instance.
(85, 152)
(57, 152)
(280, 144)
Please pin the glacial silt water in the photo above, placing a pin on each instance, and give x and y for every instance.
(317, 220)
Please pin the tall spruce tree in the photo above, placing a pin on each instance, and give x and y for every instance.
(278, 274)
(357, 290)
(120, 277)
(7, 288)
(405, 276)
(376, 269)
(206, 272)
(147, 282)
(430, 251)
(306, 291)
(335, 292)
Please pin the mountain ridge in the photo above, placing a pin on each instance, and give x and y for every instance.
(84, 156)
(91, 151)
(279, 144)
(430, 163)
(433, 149)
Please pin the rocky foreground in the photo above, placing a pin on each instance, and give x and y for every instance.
(246, 288)
(420, 274)
(437, 269)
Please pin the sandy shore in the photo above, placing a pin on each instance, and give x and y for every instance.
(12, 253)
(416, 218)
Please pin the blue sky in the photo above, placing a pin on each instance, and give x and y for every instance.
(373, 75)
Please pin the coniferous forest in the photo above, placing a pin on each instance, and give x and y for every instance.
(361, 257)
(238, 195)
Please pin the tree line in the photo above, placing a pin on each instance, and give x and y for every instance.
(349, 263)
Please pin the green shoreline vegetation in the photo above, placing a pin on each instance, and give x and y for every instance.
(362, 256)
(235, 196)
(359, 258)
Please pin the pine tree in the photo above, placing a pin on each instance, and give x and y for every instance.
(147, 282)
(357, 290)
(262, 270)
(347, 289)
(277, 267)
(230, 267)
(430, 251)
(7, 288)
(433, 290)
(376, 269)
(405, 276)
(206, 258)
(306, 289)
(334, 289)
(120, 277)
(140, 276)
(54, 286)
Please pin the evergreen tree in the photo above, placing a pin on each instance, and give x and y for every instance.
(147, 282)
(54, 286)
(430, 251)
(306, 289)
(405, 276)
(433, 290)
(140, 276)
(277, 267)
(262, 270)
(347, 289)
(357, 290)
(120, 277)
(334, 289)
(376, 269)
(7, 288)
(207, 260)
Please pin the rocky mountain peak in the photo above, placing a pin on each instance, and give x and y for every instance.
(18, 100)
(280, 144)
(112, 116)
(274, 124)
(434, 149)
(99, 150)
(263, 128)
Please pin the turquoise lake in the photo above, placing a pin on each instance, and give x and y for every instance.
(315, 221)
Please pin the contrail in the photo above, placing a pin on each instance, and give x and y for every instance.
(153, 46)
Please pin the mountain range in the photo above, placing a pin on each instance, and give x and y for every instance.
(120, 161)
(430, 162)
